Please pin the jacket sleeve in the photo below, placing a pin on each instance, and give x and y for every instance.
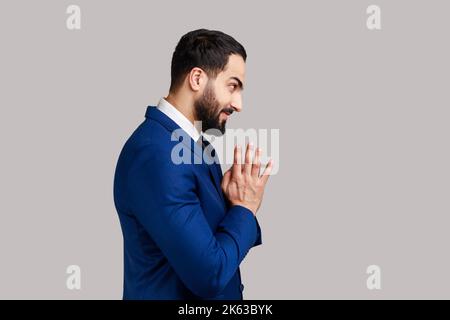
(163, 198)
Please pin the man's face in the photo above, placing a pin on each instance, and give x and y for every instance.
(221, 96)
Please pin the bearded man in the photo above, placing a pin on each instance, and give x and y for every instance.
(187, 227)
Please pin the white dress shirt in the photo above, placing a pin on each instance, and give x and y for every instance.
(179, 118)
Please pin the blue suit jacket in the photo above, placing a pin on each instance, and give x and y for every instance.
(182, 240)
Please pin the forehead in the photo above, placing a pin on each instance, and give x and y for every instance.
(234, 68)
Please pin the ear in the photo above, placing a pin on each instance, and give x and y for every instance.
(197, 79)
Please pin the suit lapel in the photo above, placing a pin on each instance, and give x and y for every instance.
(214, 168)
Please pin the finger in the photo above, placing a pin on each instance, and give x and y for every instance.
(256, 163)
(248, 159)
(267, 171)
(226, 179)
(237, 161)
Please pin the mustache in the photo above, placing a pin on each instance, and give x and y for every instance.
(228, 110)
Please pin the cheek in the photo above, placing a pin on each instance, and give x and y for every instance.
(224, 97)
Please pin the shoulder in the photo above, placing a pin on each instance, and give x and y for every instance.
(159, 157)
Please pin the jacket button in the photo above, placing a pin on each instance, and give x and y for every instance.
(242, 287)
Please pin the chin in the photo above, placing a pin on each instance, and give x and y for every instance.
(217, 132)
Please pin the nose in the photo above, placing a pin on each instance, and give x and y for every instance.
(237, 105)
(236, 108)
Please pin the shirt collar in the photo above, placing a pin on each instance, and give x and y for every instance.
(179, 118)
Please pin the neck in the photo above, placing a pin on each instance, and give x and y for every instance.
(182, 104)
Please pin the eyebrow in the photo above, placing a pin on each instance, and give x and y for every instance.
(241, 85)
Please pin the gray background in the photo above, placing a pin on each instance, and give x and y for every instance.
(363, 118)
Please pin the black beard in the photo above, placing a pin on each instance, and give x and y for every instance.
(207, 110)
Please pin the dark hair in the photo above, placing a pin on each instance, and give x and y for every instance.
(205, 49)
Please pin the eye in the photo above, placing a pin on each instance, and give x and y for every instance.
(234, 86)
